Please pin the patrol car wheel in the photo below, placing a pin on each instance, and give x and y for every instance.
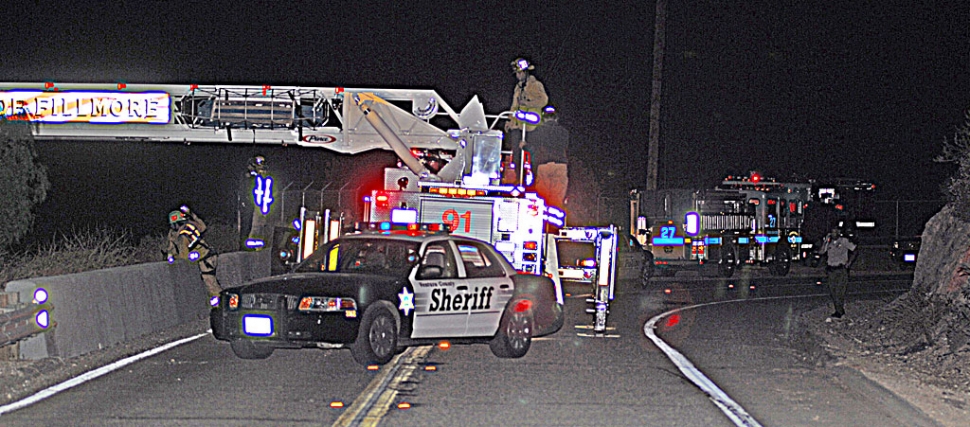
(376, 338)
(514, 336)
(246, 349)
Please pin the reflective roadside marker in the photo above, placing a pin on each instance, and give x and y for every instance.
(667, 291)
(444, 345)
(751, 287)
(336, 404)
(43, 319)
(430, 368)
(373, 367)
(403, 406)
(40, 296)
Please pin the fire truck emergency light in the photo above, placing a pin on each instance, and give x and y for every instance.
(404, 216)
(692, 223)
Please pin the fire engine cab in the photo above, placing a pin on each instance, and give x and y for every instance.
(744, 221)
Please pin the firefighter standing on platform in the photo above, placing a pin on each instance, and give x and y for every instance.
(185, 241)
(529, 95)
(546, 144)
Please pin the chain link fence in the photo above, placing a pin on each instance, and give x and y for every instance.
(343, 201)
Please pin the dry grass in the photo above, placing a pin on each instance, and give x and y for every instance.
(98, 248)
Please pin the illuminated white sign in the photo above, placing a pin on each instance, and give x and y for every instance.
(86, 106)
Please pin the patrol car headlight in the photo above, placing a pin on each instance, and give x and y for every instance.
(325, 304)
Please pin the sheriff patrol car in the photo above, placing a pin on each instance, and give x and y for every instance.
(379, 291)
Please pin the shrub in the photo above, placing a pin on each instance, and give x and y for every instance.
(99, 248)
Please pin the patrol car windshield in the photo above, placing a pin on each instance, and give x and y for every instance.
(365, 256)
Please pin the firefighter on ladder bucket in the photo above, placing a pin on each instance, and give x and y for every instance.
(528, 99)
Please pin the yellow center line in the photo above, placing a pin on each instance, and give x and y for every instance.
(384, 386)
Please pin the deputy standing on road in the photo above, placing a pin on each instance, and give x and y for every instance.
(185, 242)
(841, 254)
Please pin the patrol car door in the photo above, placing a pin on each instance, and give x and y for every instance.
(488, 287)
(438, 302)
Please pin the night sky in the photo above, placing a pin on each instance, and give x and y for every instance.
(790, 88)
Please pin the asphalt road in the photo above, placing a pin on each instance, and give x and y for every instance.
(570, 378)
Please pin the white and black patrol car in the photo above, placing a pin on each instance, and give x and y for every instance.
(378, 292)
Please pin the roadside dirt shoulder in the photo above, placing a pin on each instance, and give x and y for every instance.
(931, 379)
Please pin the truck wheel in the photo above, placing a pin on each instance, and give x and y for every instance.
(246, 349)
(728, 262)
(377, 337)
(781, 265)
(514, 336)
(646, 269)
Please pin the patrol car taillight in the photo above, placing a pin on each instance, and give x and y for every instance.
(326, 304)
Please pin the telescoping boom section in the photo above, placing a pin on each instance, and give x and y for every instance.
(324, 117)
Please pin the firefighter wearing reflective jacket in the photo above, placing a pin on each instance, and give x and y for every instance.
(529, 94)
(185, 241)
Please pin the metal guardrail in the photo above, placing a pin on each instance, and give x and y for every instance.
(20, 320)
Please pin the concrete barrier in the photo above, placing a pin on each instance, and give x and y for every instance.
(97, 309)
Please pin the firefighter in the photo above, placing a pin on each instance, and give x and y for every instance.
(529, 95)
(841, 253)
(185, 241)
(259, 232)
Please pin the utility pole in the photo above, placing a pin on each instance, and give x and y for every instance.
(653, 149)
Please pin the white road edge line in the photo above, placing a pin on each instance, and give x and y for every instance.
(90, 375)
(732, 409)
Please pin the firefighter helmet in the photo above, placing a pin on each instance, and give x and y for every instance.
(176, 217)
(522, 64)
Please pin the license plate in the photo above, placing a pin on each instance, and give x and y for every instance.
(257, 325)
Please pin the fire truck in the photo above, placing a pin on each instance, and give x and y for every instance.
(744, 221)
(846, 203)
(450, 161)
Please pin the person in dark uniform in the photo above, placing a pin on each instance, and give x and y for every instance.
(548, 146)
(841, 253)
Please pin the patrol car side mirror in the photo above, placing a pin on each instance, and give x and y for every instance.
(430, 272)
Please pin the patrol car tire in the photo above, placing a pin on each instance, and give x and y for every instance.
(246, 349)
(377, 337)
(514, 335)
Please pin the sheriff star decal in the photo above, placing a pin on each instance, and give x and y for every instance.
(407, 301)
